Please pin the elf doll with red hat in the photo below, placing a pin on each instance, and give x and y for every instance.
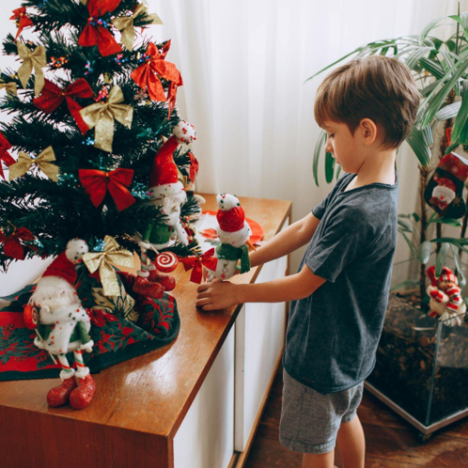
(446, 301)
(62, 325)
(234, 233)
(167, 192)
(444, 191)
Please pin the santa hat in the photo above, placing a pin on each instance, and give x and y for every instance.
(447, 276)
(230, 216)
(444, 182)
(164, 177)
(63, 268)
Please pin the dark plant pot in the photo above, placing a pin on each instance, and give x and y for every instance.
(421, 367)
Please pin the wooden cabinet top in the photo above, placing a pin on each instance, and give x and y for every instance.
(152, 393)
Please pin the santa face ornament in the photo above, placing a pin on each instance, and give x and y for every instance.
(444, 192)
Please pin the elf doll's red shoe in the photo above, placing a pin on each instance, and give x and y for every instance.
(146, 287)
(59, 396)
(167, 282)
(82, 395)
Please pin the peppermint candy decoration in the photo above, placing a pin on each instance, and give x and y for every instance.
(166, 262)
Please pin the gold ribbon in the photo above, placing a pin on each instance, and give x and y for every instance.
(43, 162)
(36, 59)
(102, 114)
(126, 25)
(10, 87)
(103, 261)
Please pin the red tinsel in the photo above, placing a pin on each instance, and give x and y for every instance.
(97, 183)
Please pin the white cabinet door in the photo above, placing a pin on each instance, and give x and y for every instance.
(260, 332)
(206, 437)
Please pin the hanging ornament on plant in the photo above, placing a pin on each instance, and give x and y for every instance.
(36, 60)
(10, 87)
(22, 20)
(101, 116)
(5, 156)
(44, 161)
(96, 32)
(125, 24)
(445, 297)
(52, 97)
(444, 191)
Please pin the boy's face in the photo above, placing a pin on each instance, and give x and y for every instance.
(345, 147)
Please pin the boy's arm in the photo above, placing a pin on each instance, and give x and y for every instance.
(222, 294)
(285, 242)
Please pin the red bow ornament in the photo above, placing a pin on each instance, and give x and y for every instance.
(12, 246)
(197, 264)
(24, 21)
(96, 32)
(148, 75)
(4, 155)
(52, 97)
(97, 183)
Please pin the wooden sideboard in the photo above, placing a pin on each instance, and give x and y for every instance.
(193, 403)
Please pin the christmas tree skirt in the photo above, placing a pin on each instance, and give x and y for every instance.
(118, 336)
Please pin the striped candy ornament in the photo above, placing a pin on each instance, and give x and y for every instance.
(166, 262)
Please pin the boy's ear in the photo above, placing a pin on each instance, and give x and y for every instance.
(368, 130)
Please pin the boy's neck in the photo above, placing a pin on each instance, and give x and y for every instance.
(378, 167)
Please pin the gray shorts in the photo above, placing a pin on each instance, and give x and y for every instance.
(310, 420)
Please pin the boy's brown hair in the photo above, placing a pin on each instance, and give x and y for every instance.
(375, 87)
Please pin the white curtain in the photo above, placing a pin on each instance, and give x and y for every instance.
(244, 64)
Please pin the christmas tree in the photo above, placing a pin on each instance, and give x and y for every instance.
(98, 171)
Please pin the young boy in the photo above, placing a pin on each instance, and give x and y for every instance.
(340, 293)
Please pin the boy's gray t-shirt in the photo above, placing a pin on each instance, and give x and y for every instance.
(332, 335)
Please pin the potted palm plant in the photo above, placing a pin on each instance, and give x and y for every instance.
(422, 360)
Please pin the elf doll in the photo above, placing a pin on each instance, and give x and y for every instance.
(167, 192)
(62, 325)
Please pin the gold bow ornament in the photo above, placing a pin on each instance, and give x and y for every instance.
(102, 115)
(10, 87)
(36, 60)
(104, 260)
(125, 24)
(44, 161)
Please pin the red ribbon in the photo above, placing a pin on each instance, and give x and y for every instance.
(193, 166)
(12, 246)
(52, 97)
(147, 75)
(97, 183)
(196, 263)
(24, 20)
(4, 155)
(95, 34)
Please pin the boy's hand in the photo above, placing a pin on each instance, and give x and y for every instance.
(216, 295)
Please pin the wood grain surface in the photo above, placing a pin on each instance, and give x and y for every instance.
(148, 394)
